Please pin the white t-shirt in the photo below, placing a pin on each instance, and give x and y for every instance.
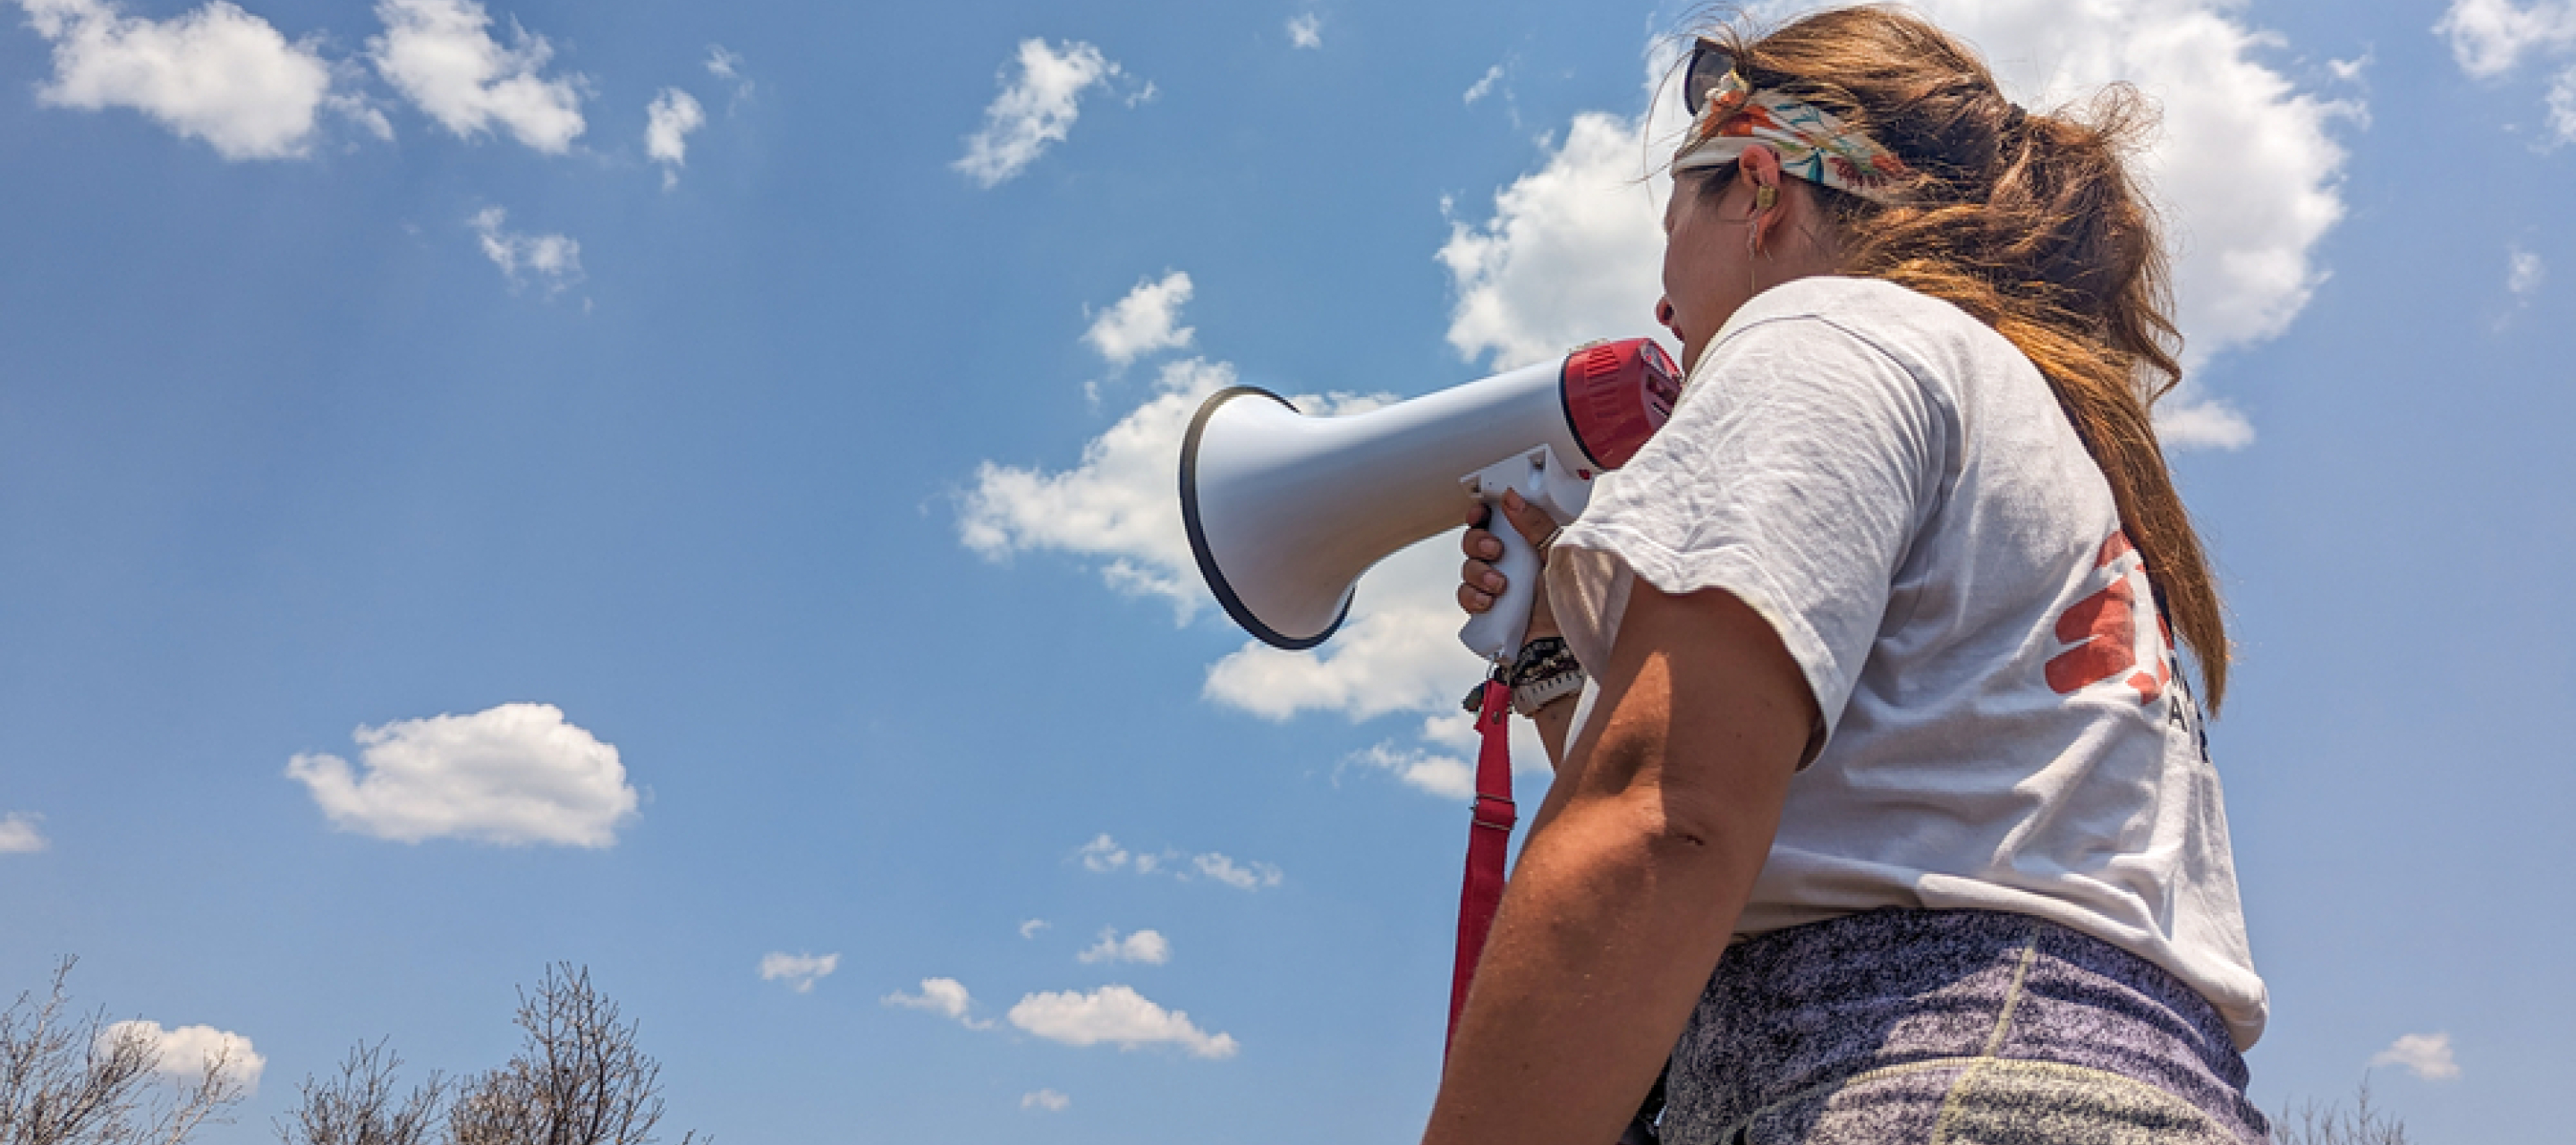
(1892, 486)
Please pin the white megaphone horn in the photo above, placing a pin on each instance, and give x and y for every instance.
(1285, 511)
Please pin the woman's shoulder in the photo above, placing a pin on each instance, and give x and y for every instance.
(1930, 337)
(1854, 303)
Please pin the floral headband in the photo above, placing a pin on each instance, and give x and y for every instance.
(1812, 144)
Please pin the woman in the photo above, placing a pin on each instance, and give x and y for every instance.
(1886, 815)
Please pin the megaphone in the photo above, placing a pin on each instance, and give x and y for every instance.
(1285, 511)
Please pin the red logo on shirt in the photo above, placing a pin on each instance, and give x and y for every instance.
(2103, 628)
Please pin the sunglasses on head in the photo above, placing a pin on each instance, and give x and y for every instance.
(1709, 64)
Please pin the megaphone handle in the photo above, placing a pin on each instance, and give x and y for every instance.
(1496, 634)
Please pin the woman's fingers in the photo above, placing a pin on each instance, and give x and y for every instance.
(1472, 600)
(1481, 545)
(1532, 521)
(1482, 577)
(1479, 583)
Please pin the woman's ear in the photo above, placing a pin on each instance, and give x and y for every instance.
(1760, 166)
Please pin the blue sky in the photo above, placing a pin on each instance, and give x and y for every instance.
(686, 489)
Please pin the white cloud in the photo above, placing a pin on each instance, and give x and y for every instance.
(2562, 107)
(19, 835)
(1046, 1099)
(1441, 760)
(1398, 652)
(1116, 505)
(1306, 31)
(1571, 250)
(1103, 854)
(1145, 321)
(2524, 273)
(215, 73)
(513, 775)
(552, 259)
(2191, 422)
(946, 997)
(668, 120)
(1571, 253)
(1031, 928)
(722, 64)
(799, 971)
(440, 54)
(1426, 768)
(1118, 1016)
(183, 1055)
(2489, 37)
(1240, 876)
(1037, 110)
(2427, 1056)
(1483, 87)
(727, 66)
(1146, 946)
(363, 111)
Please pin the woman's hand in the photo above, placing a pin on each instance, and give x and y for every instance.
(1479, 582)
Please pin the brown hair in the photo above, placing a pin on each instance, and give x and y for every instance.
(2033, 224)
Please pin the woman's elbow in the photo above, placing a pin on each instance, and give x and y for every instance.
(1685, 812)
(1689, 829)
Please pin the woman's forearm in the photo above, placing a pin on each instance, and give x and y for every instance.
(1552, 722)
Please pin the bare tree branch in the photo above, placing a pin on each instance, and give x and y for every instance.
(67, 1080)
(578, 1079)
(359, 1107)
(2333, 1125)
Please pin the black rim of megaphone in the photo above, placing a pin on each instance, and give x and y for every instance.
(1225, 593)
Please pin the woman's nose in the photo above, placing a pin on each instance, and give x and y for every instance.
(1664, 313)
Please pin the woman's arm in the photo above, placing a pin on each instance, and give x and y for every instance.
(1635, 871)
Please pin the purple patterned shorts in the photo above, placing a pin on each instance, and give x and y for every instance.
(1952, 1026)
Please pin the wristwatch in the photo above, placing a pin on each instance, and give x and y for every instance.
(1528, 698)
